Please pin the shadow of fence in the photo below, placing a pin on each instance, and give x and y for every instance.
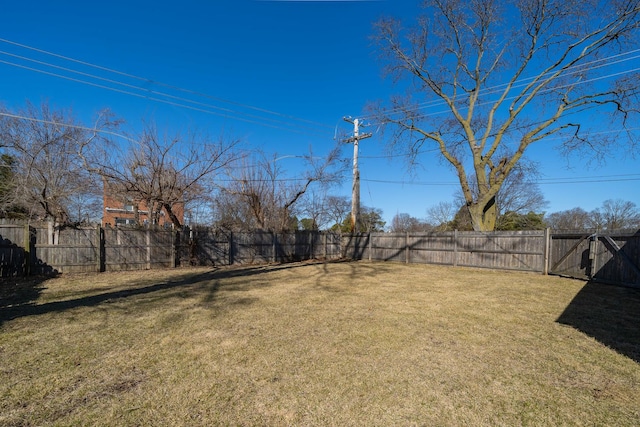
(609, 314)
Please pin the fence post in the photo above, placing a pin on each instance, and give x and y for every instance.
(370, 247)
(174, 250)
(98, 239)
(100, 250)
(406, 248)
(593, 250)
(455, 248)
(148, 241)
(273, 246)
(231, 248)
(324, 246)
(547, 250)
(26, 268)
(50, 233)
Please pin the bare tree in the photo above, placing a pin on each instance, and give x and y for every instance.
(313, 209)
(442, 214)
(48, 172)
(616, 214)
(612, 215)
(509, 75)
(165, 173)
(252, 192)
(571, 219)
(338, 207)
(231, 212)
(272, 198)
(403, 223)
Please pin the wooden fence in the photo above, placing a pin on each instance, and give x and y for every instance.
(207, 246)
(42, 250)
(518, 250)
(612, 257)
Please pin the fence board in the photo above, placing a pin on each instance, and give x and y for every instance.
(12, 251)
(519, 250)
(76, 250)
(137, 249)
(610, 257)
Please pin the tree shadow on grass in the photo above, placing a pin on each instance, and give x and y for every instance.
(23, 304)
(608, 313)
(19, 291)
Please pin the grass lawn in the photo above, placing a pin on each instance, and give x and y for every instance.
(320, 344)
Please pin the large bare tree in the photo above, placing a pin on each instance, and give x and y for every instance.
(490, 78)
(164, 172)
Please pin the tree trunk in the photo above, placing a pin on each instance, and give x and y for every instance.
(483, 217)
(172, 216)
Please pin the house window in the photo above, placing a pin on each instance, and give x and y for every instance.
(128, 208)
(125, 221)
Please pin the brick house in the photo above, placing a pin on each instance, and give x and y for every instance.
(117, 211)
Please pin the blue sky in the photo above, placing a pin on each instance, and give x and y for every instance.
(280, 75)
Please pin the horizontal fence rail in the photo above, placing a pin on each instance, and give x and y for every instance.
(42, 249)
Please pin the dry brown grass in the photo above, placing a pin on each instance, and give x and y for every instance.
(321, 344)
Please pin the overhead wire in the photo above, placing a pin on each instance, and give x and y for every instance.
(68, 125)
(227, 113)
(543, 181)
(479, 104)
(578, 68)
(226, 110)
(143, 96)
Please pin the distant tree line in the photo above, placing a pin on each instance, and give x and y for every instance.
(612, 215)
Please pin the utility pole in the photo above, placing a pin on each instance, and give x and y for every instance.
(355, 190)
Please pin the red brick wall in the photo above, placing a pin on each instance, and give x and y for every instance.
(114, 212)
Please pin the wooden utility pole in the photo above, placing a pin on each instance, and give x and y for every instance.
(355, 191)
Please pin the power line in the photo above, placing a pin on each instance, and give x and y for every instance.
(543, 181)
(68, 125)
(259, 119)
(578, 68)
(134, 87)
(480, 104)
(143, 96)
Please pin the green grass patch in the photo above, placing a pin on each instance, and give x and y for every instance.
(321, 344)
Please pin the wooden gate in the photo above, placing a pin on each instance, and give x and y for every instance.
(607, 257)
